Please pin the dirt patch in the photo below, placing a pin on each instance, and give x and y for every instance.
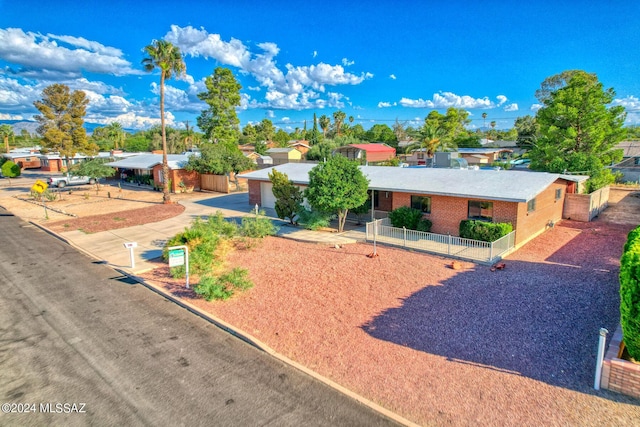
(624, 206)
(119, 219)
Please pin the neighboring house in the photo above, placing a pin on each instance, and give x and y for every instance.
(53, 162)
(284, 155)
(372, 153)
(472, 156)
(302, 146)
(247, 149)
(25, 159)
(630, 164)
(151, 165)
(530, 201)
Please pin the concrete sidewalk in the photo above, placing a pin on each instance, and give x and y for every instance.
(108, 246)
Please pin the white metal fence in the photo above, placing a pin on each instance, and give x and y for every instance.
(475, 250)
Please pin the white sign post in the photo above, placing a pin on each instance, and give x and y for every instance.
(130, 246)
(179, 255)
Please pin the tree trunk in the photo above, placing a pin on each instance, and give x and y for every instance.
(166, 196)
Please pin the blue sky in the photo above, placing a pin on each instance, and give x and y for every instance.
(377, 61)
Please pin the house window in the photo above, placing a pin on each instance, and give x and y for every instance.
(480, 210)
(531, 205)
(421, 203)
(558, 193)
(420, 156)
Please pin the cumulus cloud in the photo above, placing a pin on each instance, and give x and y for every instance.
(442, 100)
(61, 54)
(632, 105)
(392, 76)
(294, 87)
(535, 107)
(386, 104)
(347, 63)
(10, 117)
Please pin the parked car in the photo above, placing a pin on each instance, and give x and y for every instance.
(520, 161)
(63, 181)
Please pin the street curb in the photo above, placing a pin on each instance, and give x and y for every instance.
(240, 334)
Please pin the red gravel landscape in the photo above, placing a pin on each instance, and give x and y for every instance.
(436, 345)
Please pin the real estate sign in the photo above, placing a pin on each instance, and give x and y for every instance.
(176, 257)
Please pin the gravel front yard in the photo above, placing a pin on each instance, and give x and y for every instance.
(441, 346)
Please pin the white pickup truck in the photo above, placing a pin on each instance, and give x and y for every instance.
(63, 181)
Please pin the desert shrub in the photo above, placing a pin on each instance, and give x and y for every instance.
(257, 226)
(484, 231)
(224, 286)
(405, 216)
(630, 293)
(314, 220)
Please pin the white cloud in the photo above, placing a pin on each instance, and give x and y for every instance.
(347, 63)
(270, 113)
(386, 104)
(315, 53)
(392, 76)
(501, 99)
(632, 105)
(446, 100)
(36, 51)
(535, 107)
(511, 107)
(295, 87)
(10, 117)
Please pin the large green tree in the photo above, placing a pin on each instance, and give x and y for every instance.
(288, 195)
(94, 168)
(335, 186)
(61, 122)
(219, 159)
(527, 129)
(220, 122)
(578, 128)
(166, 57)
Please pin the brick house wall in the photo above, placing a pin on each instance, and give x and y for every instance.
(447, 212)
(255, 197)
(190, 179)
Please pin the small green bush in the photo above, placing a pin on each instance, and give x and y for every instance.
(405, 216)
(484, 231)
(424, 225)
(314, 220)
(630, 293)
(257, 226)
(10, 169)
(224, 286)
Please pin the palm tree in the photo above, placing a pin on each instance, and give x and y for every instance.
(338, 118)
(116, 134)
(324, 124)
(167, 57)
(6, 131)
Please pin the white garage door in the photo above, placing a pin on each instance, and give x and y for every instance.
(266, 194)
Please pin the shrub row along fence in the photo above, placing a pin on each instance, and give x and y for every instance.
(474, 250)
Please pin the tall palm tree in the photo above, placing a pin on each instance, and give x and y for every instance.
(167, 57)
(116, 134)
(324, 124)
(338, 119)
(6, 131)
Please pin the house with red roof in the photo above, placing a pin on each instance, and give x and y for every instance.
(371, 153)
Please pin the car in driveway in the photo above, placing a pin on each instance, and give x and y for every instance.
(520, 161)
(63, 181)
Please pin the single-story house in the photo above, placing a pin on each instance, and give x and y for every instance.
(372, 153)
(284, 155)
(151, 165)
(26, 159)
(472, 156)
(530, 201)
(630, 164)
(302, 146)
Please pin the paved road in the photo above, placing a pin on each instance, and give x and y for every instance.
(74, 331)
